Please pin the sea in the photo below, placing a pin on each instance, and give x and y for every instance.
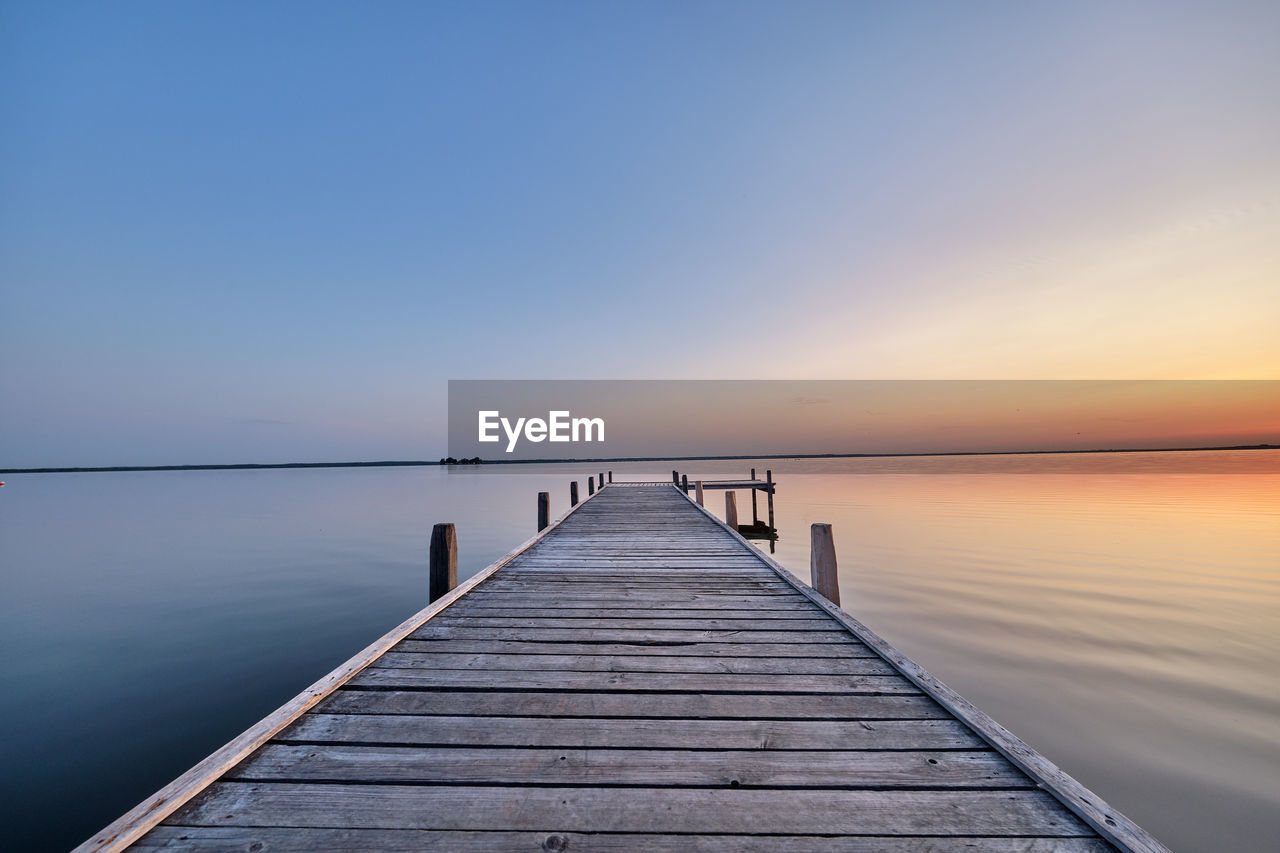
(1120, 612)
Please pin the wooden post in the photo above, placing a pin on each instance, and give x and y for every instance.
(675, 478)
(684, 483)
(610, 476)
(591, 486)
(544, 510)
(822, 563)
(601, 480)
(443, 573)
(755, 514)
(768, 478)
(700, 501)
(573, 493)
(731, 509)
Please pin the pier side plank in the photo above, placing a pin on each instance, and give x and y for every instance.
(237, 839)
(637, 676)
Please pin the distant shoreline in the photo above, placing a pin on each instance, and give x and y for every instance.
(423, 463)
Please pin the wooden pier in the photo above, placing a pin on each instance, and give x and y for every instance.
(635, 677)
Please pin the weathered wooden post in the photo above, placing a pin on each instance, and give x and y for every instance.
(591, 486)
(573, 493)
(700, 501)
(731, 509)
(544, 510)
(755, 515)
(684, 483)
(822, 563)
(768, 478)
(443, 573)
(610, 476)
(601, 480)
(675, 478)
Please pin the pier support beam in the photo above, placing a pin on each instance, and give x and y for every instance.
(701, 502)
(601, 480)
(675, 478)
(591, 485)
(610, 476)
(731, 509)
(443, 571)
(684, 483)
(755, 513)
(768, 478)
(544, 510)
(573, 493)
(822, 563)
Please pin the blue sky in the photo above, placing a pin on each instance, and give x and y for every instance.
(272, 231)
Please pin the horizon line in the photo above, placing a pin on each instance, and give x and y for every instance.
(440, 462)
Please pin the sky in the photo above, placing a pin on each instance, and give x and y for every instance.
(269, 231)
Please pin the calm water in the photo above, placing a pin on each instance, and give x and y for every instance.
(1121, 613)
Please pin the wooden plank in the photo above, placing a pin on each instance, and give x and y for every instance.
(633, 809)
(641, 574)
(234, 839)
(624, 589)
(650, 767)
(624, 733)
(446, 660)
(635, 599)
(151, 811)
(824, 651)
(795, 625)
(758, 706)
(649, 682)
(688, 568)
(606, 635)
(643, 579)
(566, 610)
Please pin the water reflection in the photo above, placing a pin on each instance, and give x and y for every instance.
(1120, 612)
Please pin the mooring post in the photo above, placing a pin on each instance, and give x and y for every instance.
(573, 493)
(442, 575)
(591, 486)
(731, 509)
(684, 483)
(675, 478)
(601, 480)
(755, 515)
(610, 476)
(700, 501)
(822, 563)
(768, 479)
(544, 510)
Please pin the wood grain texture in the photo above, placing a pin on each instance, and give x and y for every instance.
(638, 706)
(631, 733)
(576, 767)
(695, 810)
(234, 839)
(649, 682)
(637, 678)
(445, 661)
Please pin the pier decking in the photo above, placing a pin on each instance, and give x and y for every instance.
(637, 677)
